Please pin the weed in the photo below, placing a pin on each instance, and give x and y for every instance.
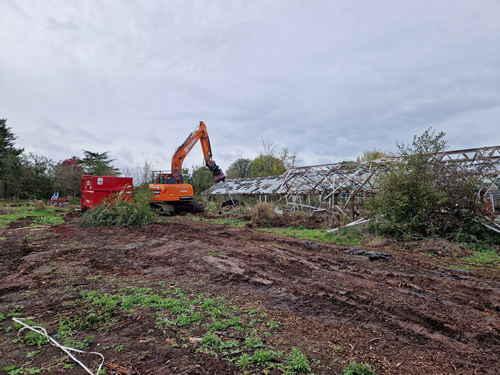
(273, 324)
(34, 338)
(297, 362)
(234, 322)
(245, 361)
(27, 293)
(216, 326)
(222, 320)
(253, 342)
(252, 312)
(251, 323)
(14, 370)
(94, 278)
(358, 369)
(31, 354)
(211, 341)
(182, 320)
(214, 252)
(118, 348)
(66, 329)
(80, 345)
(262, 357)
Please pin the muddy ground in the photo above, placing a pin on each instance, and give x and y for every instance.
(415, 313)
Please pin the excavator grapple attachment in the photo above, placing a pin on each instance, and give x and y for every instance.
(216, 171)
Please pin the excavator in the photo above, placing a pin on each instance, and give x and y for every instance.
(169, 192)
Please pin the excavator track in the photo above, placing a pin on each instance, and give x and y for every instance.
(177, 208)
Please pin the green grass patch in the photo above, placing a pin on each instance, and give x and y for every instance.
(344, 236)
(49, 220)
(232, 222)
(484, 258)
(48, 215)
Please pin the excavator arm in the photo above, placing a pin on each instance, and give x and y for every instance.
(199, 134)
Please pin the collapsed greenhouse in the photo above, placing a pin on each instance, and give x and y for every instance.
(344, 187)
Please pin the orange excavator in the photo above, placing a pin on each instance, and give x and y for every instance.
(170, 193)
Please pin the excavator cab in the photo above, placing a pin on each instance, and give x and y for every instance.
(164, 178)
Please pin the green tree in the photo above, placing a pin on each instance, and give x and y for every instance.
(10, 183)
(372, 155)
(269, 163)
(423, 196)
(9, 160)
(240, 168)
(266, 165)
(36, 176)
(68, 177)
(98, 164)
(201, 179)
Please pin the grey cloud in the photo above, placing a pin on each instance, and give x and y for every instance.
(326, 79)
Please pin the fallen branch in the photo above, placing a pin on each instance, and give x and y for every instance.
(34, 227)
(354, 223)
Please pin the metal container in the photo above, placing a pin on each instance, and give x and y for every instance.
(96, 189)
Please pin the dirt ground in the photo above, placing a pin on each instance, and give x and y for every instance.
(415, 313)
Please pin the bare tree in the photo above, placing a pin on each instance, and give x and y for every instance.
(141, 173)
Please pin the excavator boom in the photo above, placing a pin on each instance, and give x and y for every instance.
(199, 134)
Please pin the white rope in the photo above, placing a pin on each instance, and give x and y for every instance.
(68, 350)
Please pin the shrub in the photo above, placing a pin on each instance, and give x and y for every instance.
(119, 212)
(423, 196)
(262, 214)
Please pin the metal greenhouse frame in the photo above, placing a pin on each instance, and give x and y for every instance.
(343, 187)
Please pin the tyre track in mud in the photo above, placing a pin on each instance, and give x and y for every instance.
(333, 288)
(408, 314)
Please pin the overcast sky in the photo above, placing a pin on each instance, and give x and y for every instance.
(326, 78)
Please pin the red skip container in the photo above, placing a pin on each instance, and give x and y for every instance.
(96, 189)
